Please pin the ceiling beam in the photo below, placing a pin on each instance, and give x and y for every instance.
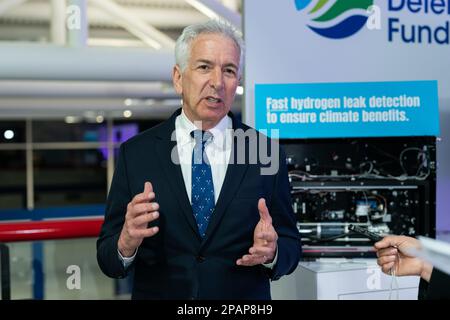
(50, 62)
(87, 89)
(126, 19)
(215, 9)
(37, 108)
(77, 23)
(157, 17)
(6, 5)
(44, 108)
(58, 22)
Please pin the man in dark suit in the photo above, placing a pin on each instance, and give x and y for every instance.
(392, 253)
(211, 223)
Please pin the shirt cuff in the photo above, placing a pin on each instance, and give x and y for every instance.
(270, 265)
(126, 261)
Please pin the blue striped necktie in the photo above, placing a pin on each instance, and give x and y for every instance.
(202, 183)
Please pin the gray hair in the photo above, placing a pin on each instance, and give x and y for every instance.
(183, 44)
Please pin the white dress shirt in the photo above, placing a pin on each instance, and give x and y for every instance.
(218, 152)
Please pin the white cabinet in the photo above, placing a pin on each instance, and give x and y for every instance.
(343, 279)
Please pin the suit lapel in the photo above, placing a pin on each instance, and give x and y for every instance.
(233, 179)
(165, 151)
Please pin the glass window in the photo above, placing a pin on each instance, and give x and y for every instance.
(12, 132)
(60, 131)
(125, 129)
(12, 179)
(62, 259)
(69, 177)
(21, 269)
(48, 269)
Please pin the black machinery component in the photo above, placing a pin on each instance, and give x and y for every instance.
(385, 185)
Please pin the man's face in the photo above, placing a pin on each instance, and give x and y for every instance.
(208, 84)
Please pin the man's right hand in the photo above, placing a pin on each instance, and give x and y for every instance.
(140, 211)
(391, 252)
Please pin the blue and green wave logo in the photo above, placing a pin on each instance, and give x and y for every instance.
(336, 19)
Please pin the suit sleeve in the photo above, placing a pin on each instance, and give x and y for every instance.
(438, 288)
(284, 222)
(116, 206)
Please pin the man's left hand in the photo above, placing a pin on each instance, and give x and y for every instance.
(264, 240)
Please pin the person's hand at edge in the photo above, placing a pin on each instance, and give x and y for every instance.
(392, 256)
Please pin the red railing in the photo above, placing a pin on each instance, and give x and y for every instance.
(40, 230)
(49, 230)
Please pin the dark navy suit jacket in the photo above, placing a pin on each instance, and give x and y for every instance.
(177, 263)
(438, 288)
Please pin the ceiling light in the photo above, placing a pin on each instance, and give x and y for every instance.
(8, 134)
(71, 119)
(128, 102)
(127, 113)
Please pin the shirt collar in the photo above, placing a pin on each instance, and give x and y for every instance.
(185, 127)
(219, 131)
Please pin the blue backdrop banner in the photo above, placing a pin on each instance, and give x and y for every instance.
(359, 109)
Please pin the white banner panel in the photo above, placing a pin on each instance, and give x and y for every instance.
(326, 41)
(399, 40)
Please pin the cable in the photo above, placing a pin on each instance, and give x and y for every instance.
(318, 240)
(365, 195)
(307, 176)
(370, 168)
(421, 153)
(295, 175)
(394, 282)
